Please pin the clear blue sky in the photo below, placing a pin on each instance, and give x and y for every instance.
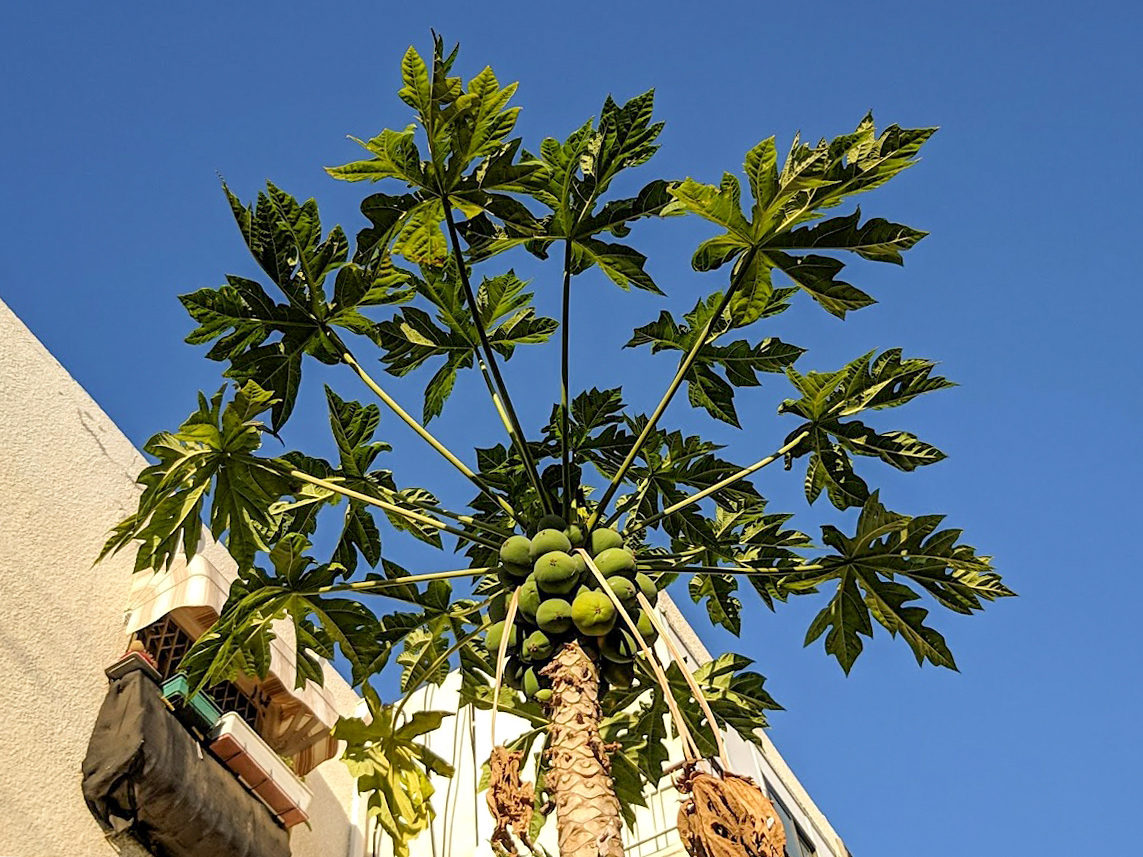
(119, 117)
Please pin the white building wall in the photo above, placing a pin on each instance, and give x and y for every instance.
(67, 474)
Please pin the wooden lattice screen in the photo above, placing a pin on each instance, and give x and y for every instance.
(167, 643)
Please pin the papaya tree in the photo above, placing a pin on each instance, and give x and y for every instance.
(575, 525)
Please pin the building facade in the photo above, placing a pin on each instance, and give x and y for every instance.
(67, 474)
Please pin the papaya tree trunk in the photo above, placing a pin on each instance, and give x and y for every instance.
(579, 773)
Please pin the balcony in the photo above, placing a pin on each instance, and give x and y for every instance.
(147, 773)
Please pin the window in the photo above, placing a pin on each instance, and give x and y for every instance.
(797, 843)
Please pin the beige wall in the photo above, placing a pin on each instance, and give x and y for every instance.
(66, 476)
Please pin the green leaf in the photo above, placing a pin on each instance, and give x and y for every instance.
(420, 238)
(816, 275)
(210, 456)
(762, 172)
(487, 122)
(615, 216)
(812, 179)
(626, 138)
(847, 620)
(573, 178)
(874, 568)
(422, 655)
(393, 768)
(898, 448)
(734, 694)
(866, 383)
(417, 91)
(413, 337)
(739, 360)
(395, 156)
(722, 605)
(622, 265)
(721, 205)
(243, 321)
(239, 640)
(876, 239)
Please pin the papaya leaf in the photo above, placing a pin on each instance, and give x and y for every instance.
(866, 383)
(722, 605)
(812, 179)
(740, 361)
(423, 648)
(239, 640)
(877, 240)
(209, 457)
(265, 341)
(735, 696)
(575, 176)
(393, 768)
(413, 337)
(395, 156)
(871, 566)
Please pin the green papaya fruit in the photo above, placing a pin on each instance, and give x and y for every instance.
(530, 682)
(546, 541)
(537, 646)
(623, 588)
(530, 598)
(647, 587)
(580, 563)
(517, 550)
(646, 628)
(615, 561)
(619, 646)
(556, 573)
(513, 673)
(554, 616)
(498, 607)
(492, 638)
(593, 613)
(516, 572)
(603, 539)
(618, 675)
(575, 535)
(551, 522)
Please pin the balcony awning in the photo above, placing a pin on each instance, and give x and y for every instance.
(193, 595)
(144, 772)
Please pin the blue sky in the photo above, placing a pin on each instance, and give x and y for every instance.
(119, 118)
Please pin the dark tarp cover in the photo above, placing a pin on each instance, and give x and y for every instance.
(145, 771)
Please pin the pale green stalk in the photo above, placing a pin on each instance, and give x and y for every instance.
(368, 586)
(351, 361)
(515, 430)
(389, 507)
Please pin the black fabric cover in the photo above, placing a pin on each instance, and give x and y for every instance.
(143, 770)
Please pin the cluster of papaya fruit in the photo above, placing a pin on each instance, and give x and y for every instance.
(560, 600)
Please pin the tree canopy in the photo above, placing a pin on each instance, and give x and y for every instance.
(463, 196)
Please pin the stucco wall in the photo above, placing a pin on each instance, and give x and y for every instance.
(66, 476)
